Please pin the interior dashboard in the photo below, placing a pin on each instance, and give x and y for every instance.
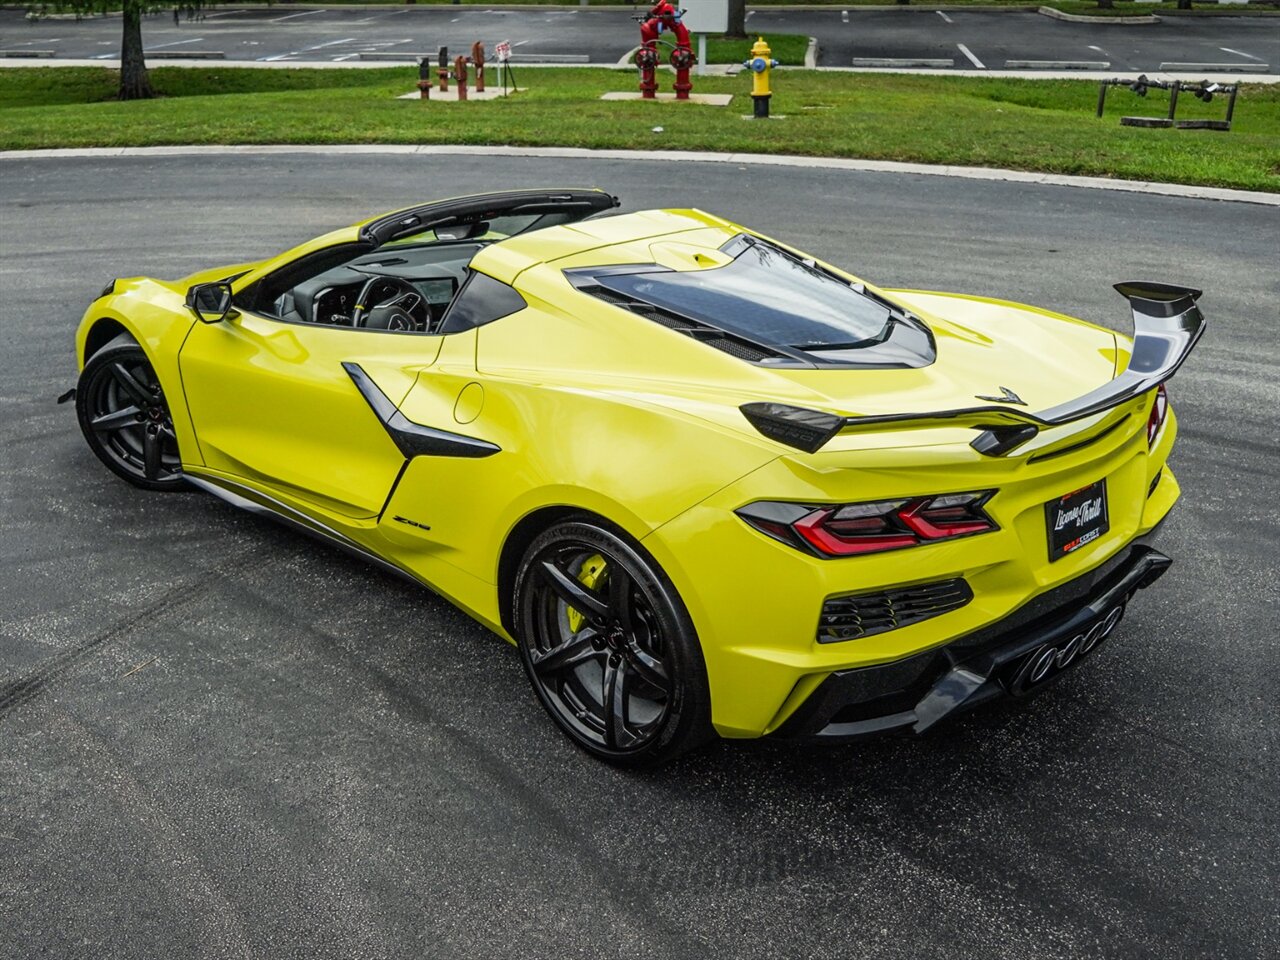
(405, 288)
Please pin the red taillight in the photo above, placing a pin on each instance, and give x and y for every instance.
(856, 528)
(1156, 419)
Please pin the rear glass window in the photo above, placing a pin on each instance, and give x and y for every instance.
(765, 294)
(493, 229)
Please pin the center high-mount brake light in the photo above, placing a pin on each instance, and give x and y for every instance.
(845, 530)
(1156, 419)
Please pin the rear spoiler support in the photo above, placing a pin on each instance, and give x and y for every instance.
(1167, 324)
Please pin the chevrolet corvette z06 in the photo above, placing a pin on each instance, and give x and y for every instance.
(706, 483)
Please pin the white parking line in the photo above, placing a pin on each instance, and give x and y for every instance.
(381, 16)
(944, 16)
(972, 59)
(1240, 53)
(318, 46)
(304, 13)
(175, 43)
(1112, 57)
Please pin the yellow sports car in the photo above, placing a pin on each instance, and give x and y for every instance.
(706, 483)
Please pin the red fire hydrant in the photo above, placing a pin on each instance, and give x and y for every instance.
(647, 61)
(477, 58)
(663, 16)
(424, 78)
(682, 60)
(460, 74)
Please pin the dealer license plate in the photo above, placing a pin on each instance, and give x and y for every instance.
(1077, 519)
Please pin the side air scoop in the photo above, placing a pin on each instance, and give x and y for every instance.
(1167, 323)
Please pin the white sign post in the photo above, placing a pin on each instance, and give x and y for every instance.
(703, 17)
(502, 50)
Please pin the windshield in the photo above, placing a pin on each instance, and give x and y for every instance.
(765, 294)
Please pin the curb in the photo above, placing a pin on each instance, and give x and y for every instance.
(31, 63)
(1237, 9)
(1216, 67)
(670, 156)
(909, 63)
(1057, 64)
(1081, 18)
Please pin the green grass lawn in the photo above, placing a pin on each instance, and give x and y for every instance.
(786, 48)
(1043, 125)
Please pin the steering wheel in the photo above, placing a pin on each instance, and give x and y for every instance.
(393, 312)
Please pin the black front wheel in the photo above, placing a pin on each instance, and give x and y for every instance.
(125, 418)
(609, 647)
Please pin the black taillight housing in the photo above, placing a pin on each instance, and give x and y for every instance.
(1159, 410)
(852, 529)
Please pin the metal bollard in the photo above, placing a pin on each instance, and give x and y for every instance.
(477, 57)
(442, 70)
(460, 74)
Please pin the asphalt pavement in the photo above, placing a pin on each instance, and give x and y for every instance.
(221, 739)
(603, 35)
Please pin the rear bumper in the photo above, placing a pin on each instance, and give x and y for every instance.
(1015, 656)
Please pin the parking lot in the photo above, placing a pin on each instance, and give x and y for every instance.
(219, 738)
(603, 35)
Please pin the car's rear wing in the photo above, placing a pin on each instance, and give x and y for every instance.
(1166, 325)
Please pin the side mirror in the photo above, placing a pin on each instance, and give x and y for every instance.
(210, 302)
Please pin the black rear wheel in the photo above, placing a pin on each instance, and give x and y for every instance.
(609, 647)
(125, 418)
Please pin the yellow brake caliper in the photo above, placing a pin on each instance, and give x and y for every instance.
(592, 569)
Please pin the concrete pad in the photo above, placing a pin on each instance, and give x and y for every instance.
(451, 95)
(706, 99)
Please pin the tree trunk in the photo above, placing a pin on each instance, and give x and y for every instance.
(134, 83)
(737, 19)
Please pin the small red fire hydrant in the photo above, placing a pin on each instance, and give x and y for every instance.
(460, 74)
(477, 58)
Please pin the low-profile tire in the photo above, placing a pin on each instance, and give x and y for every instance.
(609, 647)
(125, 417)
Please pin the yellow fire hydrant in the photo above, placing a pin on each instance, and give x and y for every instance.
(760, 65)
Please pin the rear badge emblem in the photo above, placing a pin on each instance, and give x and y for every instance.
(1008, 396)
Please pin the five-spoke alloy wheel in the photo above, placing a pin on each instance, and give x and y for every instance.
(125, 419)
(609, 647)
